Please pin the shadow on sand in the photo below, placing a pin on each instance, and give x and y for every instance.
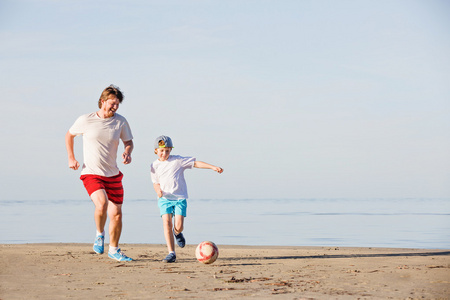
(339, 256)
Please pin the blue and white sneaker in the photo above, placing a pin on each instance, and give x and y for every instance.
(181, 242)
(119, 256)
(99, 244)
(170, 258)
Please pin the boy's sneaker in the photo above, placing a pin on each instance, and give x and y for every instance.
(180, 239)
(119, 256)
(99, 244)
(170, 258)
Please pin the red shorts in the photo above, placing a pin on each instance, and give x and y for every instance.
(112, 185)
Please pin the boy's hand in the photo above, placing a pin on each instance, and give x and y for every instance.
(158, 190)
(203, 165)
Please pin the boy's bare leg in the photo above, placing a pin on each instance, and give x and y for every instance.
(179, 224)
(167, 224)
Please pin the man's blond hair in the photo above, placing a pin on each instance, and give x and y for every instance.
(110, 90)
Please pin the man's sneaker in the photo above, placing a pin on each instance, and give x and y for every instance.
(170, 258)
(180, 239)
(119, 256)
(99, 244)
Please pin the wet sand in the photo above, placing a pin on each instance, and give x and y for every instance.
(55, 271)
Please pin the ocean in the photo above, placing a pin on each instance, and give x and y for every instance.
(392, 223)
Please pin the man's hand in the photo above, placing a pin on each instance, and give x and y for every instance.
(74, 164)
(126, 158)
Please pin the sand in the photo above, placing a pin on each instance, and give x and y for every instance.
(56, 271)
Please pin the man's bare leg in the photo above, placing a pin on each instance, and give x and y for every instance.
(115, 223)
(100, 200)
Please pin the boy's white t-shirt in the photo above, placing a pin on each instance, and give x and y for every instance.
(170, 175)
(100, 142)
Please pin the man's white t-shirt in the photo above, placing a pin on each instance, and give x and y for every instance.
(100, 142)
(170, 175)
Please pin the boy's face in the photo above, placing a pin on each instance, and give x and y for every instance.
(163, 153)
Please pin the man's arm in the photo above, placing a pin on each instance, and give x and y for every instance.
(127, 151)
(73, 163)
(203, 165)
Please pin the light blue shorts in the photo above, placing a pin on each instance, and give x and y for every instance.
(174, 207)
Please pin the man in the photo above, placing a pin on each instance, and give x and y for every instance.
(101, 177)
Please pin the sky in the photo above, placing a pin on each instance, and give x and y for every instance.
(294, 99)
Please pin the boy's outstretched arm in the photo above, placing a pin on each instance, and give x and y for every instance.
(203, 165)
(158, 190)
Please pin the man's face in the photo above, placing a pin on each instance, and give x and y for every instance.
(110, 106)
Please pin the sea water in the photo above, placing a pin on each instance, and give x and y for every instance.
(392, 223)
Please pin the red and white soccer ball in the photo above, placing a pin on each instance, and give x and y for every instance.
(207, 252)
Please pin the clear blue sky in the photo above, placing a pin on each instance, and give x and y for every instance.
(294, 99)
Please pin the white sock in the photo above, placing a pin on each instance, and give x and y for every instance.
(172, 252)
(113, 250)
(101, 233)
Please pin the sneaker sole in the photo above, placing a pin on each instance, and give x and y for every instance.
(119, 259)
(98, 252)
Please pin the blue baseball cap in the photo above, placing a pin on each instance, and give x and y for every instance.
(166, 142)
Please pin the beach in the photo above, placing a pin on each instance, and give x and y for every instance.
(68, 270)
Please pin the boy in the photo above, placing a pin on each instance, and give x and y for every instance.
(167, 173)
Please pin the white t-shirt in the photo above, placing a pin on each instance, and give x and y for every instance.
(170, 175)
(100, 142)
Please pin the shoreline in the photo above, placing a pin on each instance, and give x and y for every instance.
(233, 246)
(57, 270)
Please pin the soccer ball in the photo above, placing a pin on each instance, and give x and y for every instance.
(206, 252)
